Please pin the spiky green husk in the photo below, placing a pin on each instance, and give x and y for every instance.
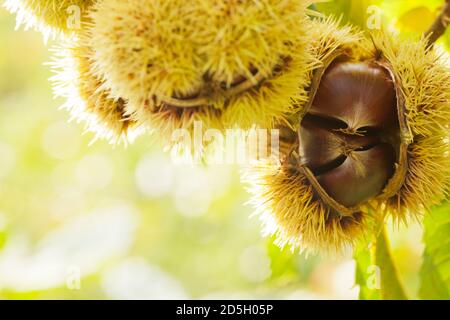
(286, 204)
(49, 16)
(327, 37)
(424, 80)
(143, 47)
(87, 99)
(285, 200)
(152, 50)
(163, 120)
(275, 99)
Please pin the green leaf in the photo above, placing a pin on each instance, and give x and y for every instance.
(376, 273)
(435, 271)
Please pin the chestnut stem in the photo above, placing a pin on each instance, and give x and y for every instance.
(391, 285)
(440, 25)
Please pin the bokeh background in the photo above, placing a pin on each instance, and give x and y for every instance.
(86, 220)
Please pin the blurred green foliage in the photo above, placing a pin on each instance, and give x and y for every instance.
(351, 11)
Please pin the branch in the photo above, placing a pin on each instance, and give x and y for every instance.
(440, 25)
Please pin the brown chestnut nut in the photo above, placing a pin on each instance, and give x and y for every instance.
(359, 94)
(361, 176)
(323, 142)
(344, 138)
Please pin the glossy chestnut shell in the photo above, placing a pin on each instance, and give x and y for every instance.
(349, 136)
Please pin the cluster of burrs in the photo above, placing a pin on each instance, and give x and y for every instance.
(365, 117)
